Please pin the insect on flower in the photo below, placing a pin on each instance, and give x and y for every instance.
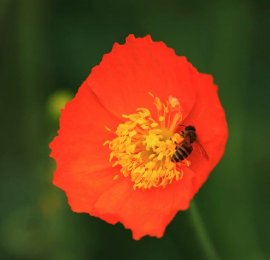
(119, 153)
(184, 149)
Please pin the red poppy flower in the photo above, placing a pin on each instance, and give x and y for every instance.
(118, 135)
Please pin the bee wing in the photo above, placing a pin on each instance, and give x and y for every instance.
(202, 150)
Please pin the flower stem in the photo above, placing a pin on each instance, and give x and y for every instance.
(201, 233)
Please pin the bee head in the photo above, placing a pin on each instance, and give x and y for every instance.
(190, 128)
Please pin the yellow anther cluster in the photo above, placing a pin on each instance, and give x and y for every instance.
(143, 146)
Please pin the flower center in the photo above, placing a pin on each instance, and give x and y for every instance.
(144, 145)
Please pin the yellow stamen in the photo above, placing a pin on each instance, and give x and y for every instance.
(144, 145)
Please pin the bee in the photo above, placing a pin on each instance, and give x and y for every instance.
(183, 150)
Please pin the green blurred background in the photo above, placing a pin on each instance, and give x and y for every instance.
(48, 48)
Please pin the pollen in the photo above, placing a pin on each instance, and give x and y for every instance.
(144, 145)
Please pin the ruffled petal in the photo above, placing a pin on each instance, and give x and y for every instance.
(209, 119)
(138, 67)
(78, 149)
(145, 212)
(84, 188)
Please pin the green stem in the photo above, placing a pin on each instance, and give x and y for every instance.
(201, 233)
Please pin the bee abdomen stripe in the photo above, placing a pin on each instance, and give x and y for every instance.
(188, 148)
(184, 151)
(177, 157)
(180, 154)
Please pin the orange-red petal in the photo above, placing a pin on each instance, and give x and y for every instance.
(125, 76)
(209, 119)
(145, 212)
(78, 149)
